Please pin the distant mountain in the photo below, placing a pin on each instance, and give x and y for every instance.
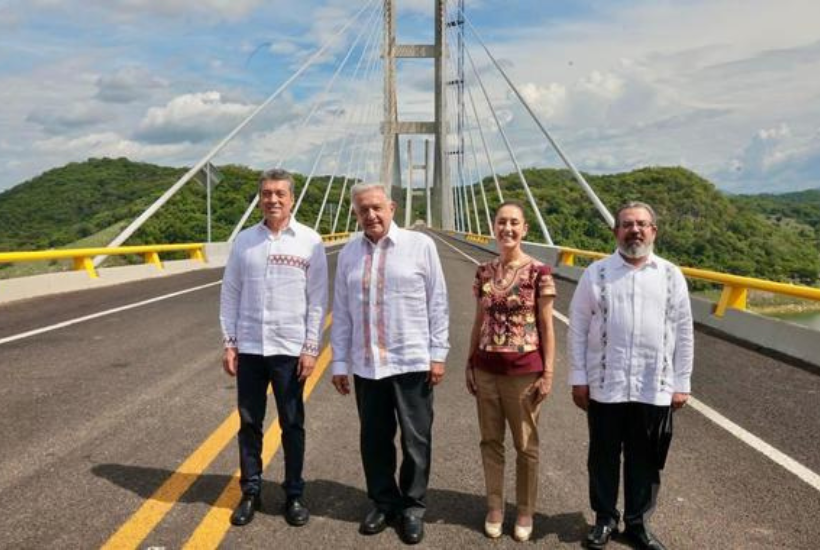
(768, 236)
(801, 208)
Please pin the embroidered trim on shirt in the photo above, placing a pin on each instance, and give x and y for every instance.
(289, 260)
(604, 315)
(368, 265)
(667, 315)
(310, 348)
(381, 322)
(229, 342)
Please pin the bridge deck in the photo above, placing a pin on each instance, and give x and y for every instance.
(101, 414)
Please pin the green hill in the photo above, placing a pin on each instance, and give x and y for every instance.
(768, 236)
(698, 225)
(67, 204)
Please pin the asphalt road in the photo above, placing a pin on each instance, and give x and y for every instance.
(100, 415)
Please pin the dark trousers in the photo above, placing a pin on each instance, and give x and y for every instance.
(613, 428)
(406, 401)
(254, 374)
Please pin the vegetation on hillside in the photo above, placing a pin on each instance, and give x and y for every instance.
(769, 236)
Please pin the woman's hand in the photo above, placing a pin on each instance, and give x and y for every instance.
(541, 388)
(469, 376)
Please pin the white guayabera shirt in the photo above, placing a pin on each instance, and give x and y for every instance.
(390, 311)
(274, 291)
(631, 335)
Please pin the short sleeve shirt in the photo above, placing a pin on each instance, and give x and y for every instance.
(508, 295)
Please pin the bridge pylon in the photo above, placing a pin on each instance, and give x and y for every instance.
(392, 128)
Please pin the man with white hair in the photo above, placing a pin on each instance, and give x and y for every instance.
(631, 347)
(390, 330)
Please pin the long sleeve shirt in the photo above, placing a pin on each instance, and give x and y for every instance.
(631, 335)
(274, 291)
(390, 310)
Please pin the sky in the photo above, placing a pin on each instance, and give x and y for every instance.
(727, 88)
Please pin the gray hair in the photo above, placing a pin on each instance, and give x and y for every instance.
(361, 187)
(636, 204)
(277, 174)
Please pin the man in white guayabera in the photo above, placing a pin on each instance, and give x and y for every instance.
(274, 294)
(631, 347)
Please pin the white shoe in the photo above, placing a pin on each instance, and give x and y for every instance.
(493, 530)
(522, 533)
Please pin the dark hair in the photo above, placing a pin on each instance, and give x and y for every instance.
(635, 204)
(515, 203)
(276, 174)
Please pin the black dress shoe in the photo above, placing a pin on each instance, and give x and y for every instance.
(643, 539)
(375, 522)
(296, 513)
(412, 529)
(243, 514)
(600, 534)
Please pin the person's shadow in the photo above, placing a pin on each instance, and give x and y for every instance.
(330, 499)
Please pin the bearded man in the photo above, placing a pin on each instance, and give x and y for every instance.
(631, 343)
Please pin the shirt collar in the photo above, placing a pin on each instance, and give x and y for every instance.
(393, 236)
(289, 229)
(620, 262)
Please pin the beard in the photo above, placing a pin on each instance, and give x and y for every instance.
(636, 249)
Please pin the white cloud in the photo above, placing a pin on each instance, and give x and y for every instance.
(192, 117)
(127, 85)
(105, 144)
(546, 100)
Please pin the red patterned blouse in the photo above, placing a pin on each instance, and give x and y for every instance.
(509, 341)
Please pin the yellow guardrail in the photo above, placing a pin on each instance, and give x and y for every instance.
(83, 256)
(735, 287)
(478, 239)
(335, 237)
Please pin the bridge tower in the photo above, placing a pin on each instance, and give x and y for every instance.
(392, 128)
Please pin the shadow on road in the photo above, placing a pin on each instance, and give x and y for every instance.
(341, 502)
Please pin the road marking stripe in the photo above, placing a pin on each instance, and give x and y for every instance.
(756, 443)
(780, 458)
(97, 315)
(214, 526)
(134, 531)
(148, 516)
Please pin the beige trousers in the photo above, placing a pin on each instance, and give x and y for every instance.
(504, 400)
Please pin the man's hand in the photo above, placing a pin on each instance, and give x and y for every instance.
(341, 383)
(436, 373)
(306, 366)
(679, 400)
(230, 361)
(580, 396)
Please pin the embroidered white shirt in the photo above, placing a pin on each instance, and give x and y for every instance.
(631, 335)
(274, 291)
(390, 310)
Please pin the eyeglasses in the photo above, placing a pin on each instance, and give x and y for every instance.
(640, 224)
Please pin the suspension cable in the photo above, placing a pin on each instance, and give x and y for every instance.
(142, 218)
(576, 174)
(533, 204)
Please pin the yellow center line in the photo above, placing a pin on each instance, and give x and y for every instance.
(155, 508)
(214, 526)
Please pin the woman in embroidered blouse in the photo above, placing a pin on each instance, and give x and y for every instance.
(509, 370)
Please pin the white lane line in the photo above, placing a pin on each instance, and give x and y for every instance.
(70, 322)
(85, 318)
(756, 443)
(745, 436)
(476, 262)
